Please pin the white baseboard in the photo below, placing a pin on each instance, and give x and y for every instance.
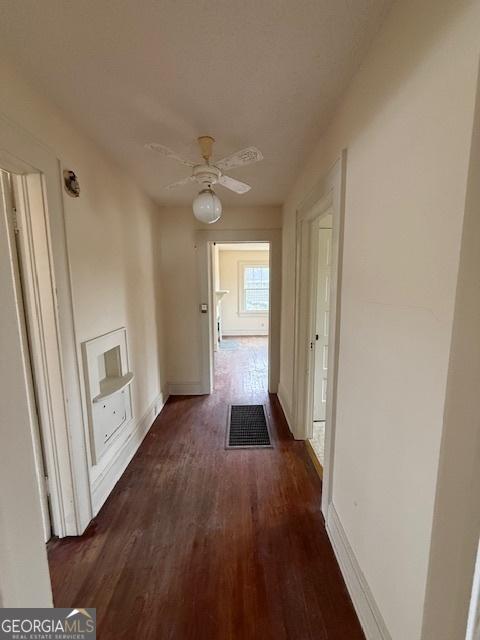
(285, 406)
(104, 483)
(244, 332)
(367, 610)
(185, 389)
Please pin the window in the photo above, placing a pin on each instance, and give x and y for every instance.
(255, 288)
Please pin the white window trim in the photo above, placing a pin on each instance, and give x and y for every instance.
(241, 277)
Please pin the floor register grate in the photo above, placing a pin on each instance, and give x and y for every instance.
(247, 427)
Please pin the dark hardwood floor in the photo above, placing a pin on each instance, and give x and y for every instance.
(201, 543)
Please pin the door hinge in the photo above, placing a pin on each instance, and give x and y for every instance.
(47, 486)
(16, 228)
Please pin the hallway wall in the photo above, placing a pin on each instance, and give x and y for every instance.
(457, 506)
(112, 233)
(406, 122)
(180, 282)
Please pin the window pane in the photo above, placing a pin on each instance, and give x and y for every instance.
(256, 277)
(256, 299)
(255, 282)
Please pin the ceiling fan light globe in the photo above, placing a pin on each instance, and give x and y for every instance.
(207, 206)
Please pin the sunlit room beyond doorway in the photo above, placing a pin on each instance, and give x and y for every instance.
(241, 279)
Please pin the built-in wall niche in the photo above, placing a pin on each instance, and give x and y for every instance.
(107, 386)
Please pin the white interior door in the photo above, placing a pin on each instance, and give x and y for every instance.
(321, 323)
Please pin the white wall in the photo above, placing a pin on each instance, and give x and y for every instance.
(457, 507)
(234, 322)
(406, 121)
(180, 280)
(112, 233)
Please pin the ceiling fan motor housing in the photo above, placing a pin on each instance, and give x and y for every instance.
(206, 174)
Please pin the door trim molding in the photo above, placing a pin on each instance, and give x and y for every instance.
(22, 154)
(37, 295)
(328, 194)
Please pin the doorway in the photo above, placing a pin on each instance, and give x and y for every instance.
(205, 242)
(319, 245)
(321, 265)
(241, 309)
(27, 225)
(26, 312)
(34, 173)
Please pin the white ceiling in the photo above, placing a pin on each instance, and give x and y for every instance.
(248, 72)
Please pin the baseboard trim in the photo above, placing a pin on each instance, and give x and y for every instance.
(185, 389)
(285, 406)
(104, 484)
(239, 333)
(367, 610)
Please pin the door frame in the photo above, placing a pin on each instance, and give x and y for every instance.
(203, 241)
(314, 267)
(32, 336)
(27, 159)
(327, 196)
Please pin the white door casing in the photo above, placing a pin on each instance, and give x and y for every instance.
(34, 166)
(328, 196)
(22, 285)
(324, 267)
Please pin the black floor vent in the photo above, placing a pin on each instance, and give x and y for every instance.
(247, 427)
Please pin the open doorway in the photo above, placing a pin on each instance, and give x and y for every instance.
(321, 281)
(205, 242)
(241, 309)
(319, 235)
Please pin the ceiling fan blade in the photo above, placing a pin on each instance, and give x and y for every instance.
(180, 183)
(234, 185)
(240, 158)
(167, 153)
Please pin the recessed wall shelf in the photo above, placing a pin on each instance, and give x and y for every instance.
(107, 385)
(112, 384)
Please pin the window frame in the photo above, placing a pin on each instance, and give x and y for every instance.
(242, 265)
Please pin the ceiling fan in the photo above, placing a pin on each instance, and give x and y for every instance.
(207, 206)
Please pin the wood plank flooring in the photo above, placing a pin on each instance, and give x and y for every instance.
(197, 542)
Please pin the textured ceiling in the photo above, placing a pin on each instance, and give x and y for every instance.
(248, 72)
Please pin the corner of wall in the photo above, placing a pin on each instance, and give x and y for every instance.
(282, 398)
